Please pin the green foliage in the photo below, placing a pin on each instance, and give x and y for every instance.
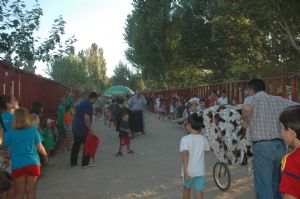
(148, 35)
(85, 72)
(174, 42)
(124, 76)
(19, 46)
(70, 71)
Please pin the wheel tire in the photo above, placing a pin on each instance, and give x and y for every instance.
(222, 168)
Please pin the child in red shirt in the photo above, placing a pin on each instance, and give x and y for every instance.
(290, 131)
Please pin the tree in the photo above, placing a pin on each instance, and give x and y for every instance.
(18, 45)
(70, 71)
(213, 40)
(147, 34)
(124, 76)
(96, 67)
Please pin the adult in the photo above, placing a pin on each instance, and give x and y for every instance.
(261, 112)
(137, 104)
(82, 125)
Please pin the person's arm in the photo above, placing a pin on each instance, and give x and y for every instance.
(88, 122)
(43, 152)
(41, 149)
(246, 112)
(185, 160)
(286, 196)
(1, 135)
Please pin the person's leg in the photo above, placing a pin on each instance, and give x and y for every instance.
(143, 122)
(31, 187)
(280, 150)
(263, 163)
(199, 194)
(85, 158)
(75, 150)
(199, 186)
(20, 184)
(187, 185)
(186, 193)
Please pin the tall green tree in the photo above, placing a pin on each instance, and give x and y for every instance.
(18, 43)
(71, 71)
(96, 66)
(148, 35)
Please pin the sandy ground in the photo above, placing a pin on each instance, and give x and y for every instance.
(152, 172)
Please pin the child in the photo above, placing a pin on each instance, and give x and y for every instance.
(124, 134)
(68, 127)
(24, 157)
(193, 147)
(290, 131)
(162, 110)
(6, 183)
(49, 143)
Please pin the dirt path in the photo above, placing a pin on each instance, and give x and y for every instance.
(152, 172)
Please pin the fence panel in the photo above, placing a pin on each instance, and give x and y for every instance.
(28, 87)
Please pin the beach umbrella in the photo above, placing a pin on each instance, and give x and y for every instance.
(118, 90)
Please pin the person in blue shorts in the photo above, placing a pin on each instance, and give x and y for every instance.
(193, 147)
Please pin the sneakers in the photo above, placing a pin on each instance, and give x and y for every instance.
(88, 166)
(119, 154)
(131, 151)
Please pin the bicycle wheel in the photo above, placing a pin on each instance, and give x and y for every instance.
(222, 176)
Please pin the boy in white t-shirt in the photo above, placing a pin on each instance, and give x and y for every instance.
(193, 147)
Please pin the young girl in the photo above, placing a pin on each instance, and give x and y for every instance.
(23, 142)
(49, 143)
(68, 127)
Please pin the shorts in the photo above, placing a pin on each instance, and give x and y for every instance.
(196, 183)
(124, 140)
(31, 170)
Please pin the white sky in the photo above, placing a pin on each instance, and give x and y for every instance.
(91, 21)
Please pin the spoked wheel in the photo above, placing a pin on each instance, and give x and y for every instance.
(222, 176)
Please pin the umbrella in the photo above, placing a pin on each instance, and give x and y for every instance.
(118, 90)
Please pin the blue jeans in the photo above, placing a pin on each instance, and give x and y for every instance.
(267, 162)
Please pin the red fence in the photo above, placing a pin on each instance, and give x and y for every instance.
(28, 87)
(285, 86)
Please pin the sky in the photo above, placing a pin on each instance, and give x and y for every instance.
(91, 21)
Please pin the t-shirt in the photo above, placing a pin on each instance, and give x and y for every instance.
(84, 108)
(22, 143)
(7, 118)
(196, 145)
(68, 118)
(124, 125)
(60, 114)
(68, 101)
(223, 100)
(290, 176)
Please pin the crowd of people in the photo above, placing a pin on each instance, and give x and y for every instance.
(274, 125)
(28, 138)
